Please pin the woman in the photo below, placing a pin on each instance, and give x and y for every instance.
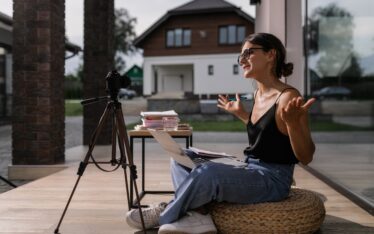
(279, 137)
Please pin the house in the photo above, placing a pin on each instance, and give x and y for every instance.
(193, 49)
(135, 73)
(6, 38)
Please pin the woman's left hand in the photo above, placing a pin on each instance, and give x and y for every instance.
(296, 110)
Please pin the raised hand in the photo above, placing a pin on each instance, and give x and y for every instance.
(296, 110)
(230, 106)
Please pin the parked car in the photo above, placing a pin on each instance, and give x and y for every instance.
(126, 94)
(332, 92)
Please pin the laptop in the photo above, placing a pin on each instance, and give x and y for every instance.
(184, 156)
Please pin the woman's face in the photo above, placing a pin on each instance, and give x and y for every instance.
(253, 60)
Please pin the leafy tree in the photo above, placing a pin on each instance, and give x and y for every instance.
(124, 35)
(353, 72)
(331, 29)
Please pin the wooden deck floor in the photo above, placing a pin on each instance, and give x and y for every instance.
(100, 203)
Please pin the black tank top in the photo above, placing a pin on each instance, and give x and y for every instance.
(266, 142)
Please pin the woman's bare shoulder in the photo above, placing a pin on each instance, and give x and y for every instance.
(288, 94)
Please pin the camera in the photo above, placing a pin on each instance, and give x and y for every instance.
(115, 82)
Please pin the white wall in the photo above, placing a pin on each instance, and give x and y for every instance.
(222, 81)
(182, 72)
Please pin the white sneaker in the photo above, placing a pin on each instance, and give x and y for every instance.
(151, 216)
(192, 223)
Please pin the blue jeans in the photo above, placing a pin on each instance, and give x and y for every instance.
(256, 182)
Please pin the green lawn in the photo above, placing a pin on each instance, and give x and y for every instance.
(238, 126)
(74, 108)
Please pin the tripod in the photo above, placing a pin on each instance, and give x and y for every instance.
(119, 132)
(8, 182)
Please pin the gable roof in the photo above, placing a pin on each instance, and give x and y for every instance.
(195, 7)
(6, 35)
(203, 5)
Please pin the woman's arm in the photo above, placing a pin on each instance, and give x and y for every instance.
(294, 113)
(234, 107)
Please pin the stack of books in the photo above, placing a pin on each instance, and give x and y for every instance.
(160, 119)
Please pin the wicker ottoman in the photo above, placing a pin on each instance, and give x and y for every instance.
(302, 212)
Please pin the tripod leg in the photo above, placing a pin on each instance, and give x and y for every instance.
(123, 161)
(8, 182)
(83, 164)
(124, 139)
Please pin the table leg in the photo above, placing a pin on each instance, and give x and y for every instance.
(131, 179)
(143, 162)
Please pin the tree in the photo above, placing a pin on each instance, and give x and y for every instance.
(333, 27)
(353, 72)
(124, 35)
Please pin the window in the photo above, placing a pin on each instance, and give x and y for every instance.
(235, 69)
(187, 37)
(223, 35)
(340, 73)
(210, 70)
(231, 34)
(178, 37)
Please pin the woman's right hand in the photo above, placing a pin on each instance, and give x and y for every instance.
(234, 107)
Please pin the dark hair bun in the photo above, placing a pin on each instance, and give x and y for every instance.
(287, 69)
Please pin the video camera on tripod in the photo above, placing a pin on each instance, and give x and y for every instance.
(113, 109)
(114, 82)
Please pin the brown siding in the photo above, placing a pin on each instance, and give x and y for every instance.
(155, 43)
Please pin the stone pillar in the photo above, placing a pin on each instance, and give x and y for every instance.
(98, 61)
(38, 77)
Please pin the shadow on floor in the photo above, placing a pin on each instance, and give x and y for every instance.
(337, 225)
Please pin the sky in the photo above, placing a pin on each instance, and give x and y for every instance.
(147, 13)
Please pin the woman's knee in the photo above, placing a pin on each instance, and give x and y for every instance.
(207, 170)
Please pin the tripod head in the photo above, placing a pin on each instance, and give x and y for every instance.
(114, 82)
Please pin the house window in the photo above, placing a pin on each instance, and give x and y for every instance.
(178, 37)
(235, 69)
(223, 35)
(210, 70)
(231, 34)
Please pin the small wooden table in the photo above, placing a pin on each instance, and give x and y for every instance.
(186, 133)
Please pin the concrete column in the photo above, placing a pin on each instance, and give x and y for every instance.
(294, 44)
(38, 136)
(283, 18)
(270, 17)
(98, 61)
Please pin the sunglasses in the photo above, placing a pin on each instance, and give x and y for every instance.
(246, 53)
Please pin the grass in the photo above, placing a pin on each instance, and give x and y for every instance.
(238, 126)
(74, 108)
(328, 126)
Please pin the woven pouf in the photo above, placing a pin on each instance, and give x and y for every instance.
(302, 212)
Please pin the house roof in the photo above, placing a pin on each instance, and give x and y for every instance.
(135, 72)
(195, 7)
(203, 5)
(6, 35)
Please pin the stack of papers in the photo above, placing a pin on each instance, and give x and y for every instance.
(160, 119)
(158, 114)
